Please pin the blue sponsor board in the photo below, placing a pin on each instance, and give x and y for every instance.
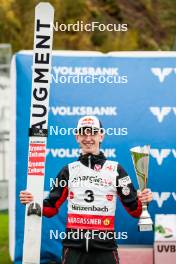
(133, 95)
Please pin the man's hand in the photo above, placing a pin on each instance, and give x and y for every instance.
(145, 196)
(26, 197)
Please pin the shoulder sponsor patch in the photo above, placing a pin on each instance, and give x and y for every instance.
(126, 190)
(124, 181)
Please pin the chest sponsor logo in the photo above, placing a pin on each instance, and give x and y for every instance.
(96, 180)
(109, 197)
(106, 222)
(71, 195)
(111, 167)
(94, 222)
(89, 208)
(75, 166)
(97, 167)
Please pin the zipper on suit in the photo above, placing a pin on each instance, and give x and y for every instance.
(89, 161)
(87, 244)
(87, 239)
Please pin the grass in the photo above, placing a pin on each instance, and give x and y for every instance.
(4, 240)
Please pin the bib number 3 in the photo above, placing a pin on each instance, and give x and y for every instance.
(89, 196)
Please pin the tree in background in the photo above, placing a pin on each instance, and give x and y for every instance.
(151, 24)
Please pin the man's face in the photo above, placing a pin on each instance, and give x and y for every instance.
(89, 140)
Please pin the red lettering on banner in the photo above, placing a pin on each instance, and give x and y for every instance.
(90, 222)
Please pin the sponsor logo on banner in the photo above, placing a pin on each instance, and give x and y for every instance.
(84, 110)
(36, 163)
(75, 152)
(162, 73)
(88, 75)
(162, 197)
(64, 70)
(162, 154)
(165, 248)
(161, 112)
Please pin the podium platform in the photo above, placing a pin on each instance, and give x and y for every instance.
(136, 255)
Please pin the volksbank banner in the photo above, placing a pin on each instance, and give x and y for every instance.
(133, 94)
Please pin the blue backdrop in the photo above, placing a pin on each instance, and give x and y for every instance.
(134, 94)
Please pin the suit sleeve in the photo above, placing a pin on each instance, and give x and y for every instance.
(58, 194)
(127, 193)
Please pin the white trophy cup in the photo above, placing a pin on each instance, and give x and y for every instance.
(140, 157)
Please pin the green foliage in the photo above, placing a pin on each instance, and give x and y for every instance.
(71, 11)
(111, 7)
(151, 24)
(4, 248)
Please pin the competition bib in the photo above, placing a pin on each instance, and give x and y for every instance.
(92, 196)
